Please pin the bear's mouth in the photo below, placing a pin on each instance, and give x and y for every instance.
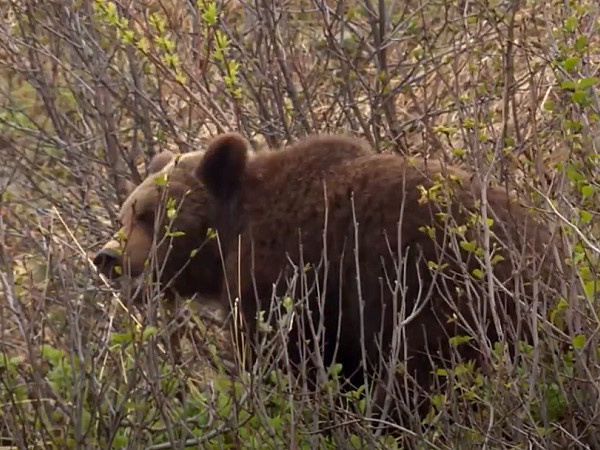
(130, 290)
(143, 288)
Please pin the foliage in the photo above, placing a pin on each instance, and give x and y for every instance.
(90, 90)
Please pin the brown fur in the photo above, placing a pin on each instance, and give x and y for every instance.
(263, 207)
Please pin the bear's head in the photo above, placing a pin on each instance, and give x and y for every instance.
(168, 222)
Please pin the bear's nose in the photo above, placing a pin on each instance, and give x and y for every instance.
(107, 260)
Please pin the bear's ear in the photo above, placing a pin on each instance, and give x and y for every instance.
(159, 161)
(223, 164)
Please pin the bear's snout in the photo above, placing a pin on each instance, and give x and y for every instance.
(107, 260)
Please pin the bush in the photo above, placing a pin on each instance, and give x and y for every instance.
(91, 90)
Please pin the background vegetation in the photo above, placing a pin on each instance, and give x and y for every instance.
(90, 90)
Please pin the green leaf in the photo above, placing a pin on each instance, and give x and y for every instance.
(580, 97)
(442, 129)
(149, 331)
(180, 78)
(209, 15)
(497, 258)
(585, 273)
(455, 341)
(435, 266)
(157, 22)
(570, 63)
(121, 338)
(143, 45)
(570, 24)
(581, 43)
(568, 85)
(586, 216)
(478, 273)
(469, 124)
(591, 289)
(579, 341)
(575, 126)
(587, 190)
(574, 174)
(429, 231)
(468, 246)
(335, 369)
(52, 355)
(561, 305)
(438, 401)
(585, 83)
(161, 180)
(287, 303)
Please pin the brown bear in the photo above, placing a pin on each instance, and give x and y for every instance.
(183, 276)
(387, 252)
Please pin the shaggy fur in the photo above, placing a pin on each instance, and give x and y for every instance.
(329, 196)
